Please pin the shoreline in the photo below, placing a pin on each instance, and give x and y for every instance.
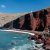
(19, 31)
(25, 31)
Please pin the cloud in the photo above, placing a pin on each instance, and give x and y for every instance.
(3, 6)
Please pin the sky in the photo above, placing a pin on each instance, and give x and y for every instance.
(16, 6)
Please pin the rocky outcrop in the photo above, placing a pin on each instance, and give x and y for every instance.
(34, 21)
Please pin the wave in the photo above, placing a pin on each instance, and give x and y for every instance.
(23, 47)
(28, 47)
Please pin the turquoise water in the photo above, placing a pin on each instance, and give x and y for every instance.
(17, 41)
(14, 41)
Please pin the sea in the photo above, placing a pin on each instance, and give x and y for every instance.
(17, 41)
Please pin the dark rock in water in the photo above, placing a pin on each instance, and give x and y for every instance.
(12, 43)
(43, 47)
(31, 37)
(38, 42)
(35, 37)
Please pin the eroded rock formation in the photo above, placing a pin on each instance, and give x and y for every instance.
(34, 21)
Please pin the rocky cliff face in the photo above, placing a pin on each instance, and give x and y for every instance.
(36, 21)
